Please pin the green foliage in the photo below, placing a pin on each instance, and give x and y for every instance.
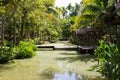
(102, 14)
(31, 43)
(22, 19)
(6, 54)
(54, 36)
(26, 50)
(109, 56)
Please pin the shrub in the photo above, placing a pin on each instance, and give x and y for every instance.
(36, 40)
(109, 56)
(31, 44)
(6, 54)
(53, 36)
(26, 50)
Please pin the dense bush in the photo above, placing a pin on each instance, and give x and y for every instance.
(26, 49)
(53, 36)
(109, 56)
(32, 43)
(23, 50)
(6, 54)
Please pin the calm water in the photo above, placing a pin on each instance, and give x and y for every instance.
(67, 76)
(51, 65)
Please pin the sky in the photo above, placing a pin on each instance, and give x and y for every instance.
(64, 3)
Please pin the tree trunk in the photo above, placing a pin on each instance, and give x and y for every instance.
(2, 33)
(21, 30)
(22, 25)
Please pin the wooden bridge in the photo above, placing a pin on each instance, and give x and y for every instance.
(81, 49)
(86, 49)
(57, 47)
(46, 46)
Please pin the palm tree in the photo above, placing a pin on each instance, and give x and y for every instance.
(101, 13)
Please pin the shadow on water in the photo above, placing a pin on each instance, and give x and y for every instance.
(76, 57)
(68, 54)
(48, 73)
(4, 67)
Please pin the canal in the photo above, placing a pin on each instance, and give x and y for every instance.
(51, 65)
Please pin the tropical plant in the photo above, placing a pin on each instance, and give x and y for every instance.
(25, 50)
(99, 13)
(67, 19)
(108, 55)
(6, 54)
(22, 19)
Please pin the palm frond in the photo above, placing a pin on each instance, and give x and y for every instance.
(52, 10)
(84, 20)
(93, 8)
(87, 16)
(102, 18)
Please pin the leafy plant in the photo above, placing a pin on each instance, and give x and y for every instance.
(25, 50)
(54, 36)
(32, 43)
(6, 54)
(109, 58)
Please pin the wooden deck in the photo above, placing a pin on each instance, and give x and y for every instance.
(81, 49)
(86, 49)
(58, 47)
(46, 46)
(66, 48)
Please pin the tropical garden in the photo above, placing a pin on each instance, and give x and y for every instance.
(26, 23)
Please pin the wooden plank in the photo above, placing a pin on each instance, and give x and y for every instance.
(45, 46)
(66, 48)
(58, 47)
(86, 49)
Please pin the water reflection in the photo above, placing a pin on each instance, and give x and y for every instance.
(67, 76)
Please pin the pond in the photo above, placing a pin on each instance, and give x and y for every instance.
(51, 65)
